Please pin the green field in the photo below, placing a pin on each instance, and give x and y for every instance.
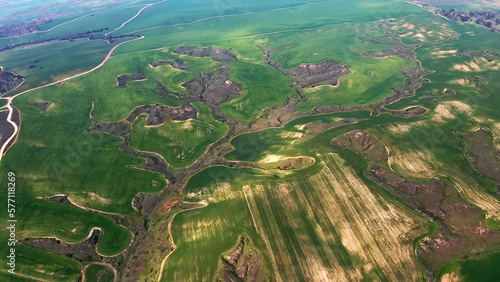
(98, 273)
(180, 143)
(173, 200)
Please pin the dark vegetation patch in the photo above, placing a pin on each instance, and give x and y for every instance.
(70, 37)
(84, 251)
(403, 51)
(242, 264)
(325, 73)
(488, 55)
(9, 80)
(488, 19)
(479, 82)
(113, 128)
(482, 154)
(20, 28)
(372, 39)
(122, 79)
(33, 64)
(410, 112)
(461, 228)
(216, 54)
(177, 63)
(61, 199)
(213, 88)
(41, 105)
(158, 114)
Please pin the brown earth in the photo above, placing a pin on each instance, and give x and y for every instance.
(410, 112)
(214, 88)
(310, 75)
(122, 79)
(168, 204)
(159, 114)
(177, 63)
(462, 231)
(403, 51)
(483, 156)
(113, 128)
(41, 105)
(84, 251)
(216, 54)
(242, 264)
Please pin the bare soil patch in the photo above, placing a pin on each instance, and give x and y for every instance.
(9, 81)
(216, 54)
(84, 251)
(177, 63)
(410, 112)
(214, 88)
(462, 231)
(41, 105)
(482, 155)
(242, 264)
(159, 114)
(122, 79)
(310, 75)
(403, 51)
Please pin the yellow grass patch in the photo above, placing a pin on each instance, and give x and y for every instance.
(416, 164)
(272, 158)
(452, 277)
(476, 194)
(461, 81)
(443, 53)
(477, 65)
(403, 128)
(409, 26)
(420, 36)
(378, 234)
(449, 109)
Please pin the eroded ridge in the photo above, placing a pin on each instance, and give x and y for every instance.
(216, 54)
(461, 227)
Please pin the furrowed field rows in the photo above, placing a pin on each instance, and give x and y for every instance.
(331, 227)
(327, 227)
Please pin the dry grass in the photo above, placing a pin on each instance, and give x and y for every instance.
(399, 129)
(376, 234)
(416, 164)
(449, 109)
(479, 64)
(476, 194)
(452, 277)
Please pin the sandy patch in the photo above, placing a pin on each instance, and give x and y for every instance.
(409, 26)
(420, 36)
(416, 164)
(461, 81)
(448, 110)
(272, 159)
(401, 129)
(452, 277)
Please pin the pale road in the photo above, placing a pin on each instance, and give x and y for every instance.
(9, 99)
(135, 16)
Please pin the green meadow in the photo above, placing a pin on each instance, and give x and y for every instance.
(98, 273)
(324, 222)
